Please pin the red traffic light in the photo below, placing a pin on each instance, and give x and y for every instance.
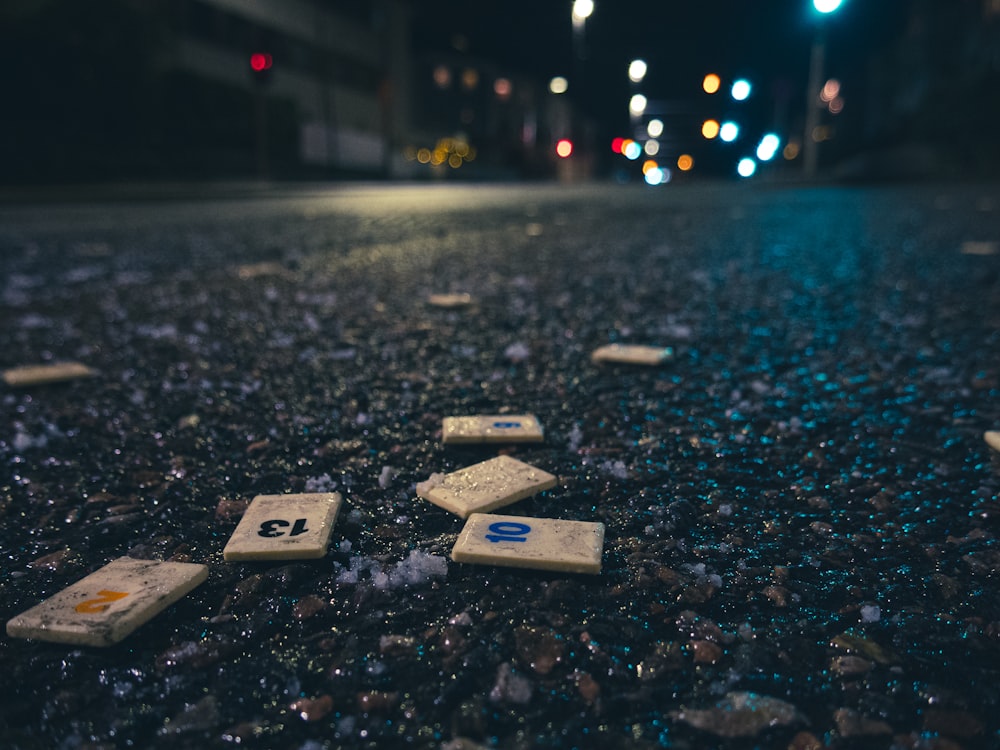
(260, 61)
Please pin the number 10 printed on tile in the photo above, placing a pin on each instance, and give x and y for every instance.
(110, 603)
(525, 542)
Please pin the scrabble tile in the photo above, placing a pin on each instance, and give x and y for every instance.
(633, 354)
(285, 527)
(43, 374)
(992, 438)
(485, 486)
(491, 428)
(523, 542)
(450, 300)
(110, 603)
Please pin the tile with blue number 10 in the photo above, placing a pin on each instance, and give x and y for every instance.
(525, 542)
(491, 428)
(285, 527)
(110, 603)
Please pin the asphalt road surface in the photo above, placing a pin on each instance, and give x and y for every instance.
(801, 546)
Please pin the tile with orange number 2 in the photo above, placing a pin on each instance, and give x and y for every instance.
(107, 605)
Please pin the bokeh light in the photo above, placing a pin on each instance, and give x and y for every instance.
(711, 83)
(826, 6)
(710, 129)
(768, 147)
(830, 90)
(632, 150)
(637, 70)
(502, 88)
(685, 162)
(654, 128)
(652, 147)
(740, 90)
(564, 147)
(729, 131)
(746, 167)
(637, 105)
(558, 85)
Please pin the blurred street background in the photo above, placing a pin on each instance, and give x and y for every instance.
(236, 212)
(448, 90)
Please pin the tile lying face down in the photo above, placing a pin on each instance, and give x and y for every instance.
(491, 428)
(110, 603)
(632, 354)
(525, 542)
(485, 486)
(22, 377)
(285, 527)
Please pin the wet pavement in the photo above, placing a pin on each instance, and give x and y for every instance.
(801, 512)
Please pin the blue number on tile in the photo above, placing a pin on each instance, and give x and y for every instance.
(508, 531)
(270, 528)
(506, 425)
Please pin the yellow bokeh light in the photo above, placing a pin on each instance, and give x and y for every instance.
(424, 155)
(685, 162)
(454, 161)
(648, 165)
(790, 151)
(710, 129)
(711, 83)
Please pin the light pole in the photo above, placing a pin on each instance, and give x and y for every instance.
(582, 10)
(817, 61)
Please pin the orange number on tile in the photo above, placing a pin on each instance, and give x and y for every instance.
(96, 606)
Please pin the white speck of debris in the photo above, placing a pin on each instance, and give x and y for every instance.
(517, 352)
(462, 618)
(386, 476)
(617, 469)
(575, 438)
(322, 483)
(725, 510)
(23, 441)
(416, 569)
(871, 613)
(509, 687)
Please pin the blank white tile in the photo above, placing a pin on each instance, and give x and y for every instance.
(992, 438)
(485, 486)
(525, 542)
(42, 374)
(110, 603)
(633, 354)
(492, 428)
(450, 299)
(285, 527)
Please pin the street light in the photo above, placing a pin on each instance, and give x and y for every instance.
(582, 10)
(637, 70)
(740, 89)
(817, 57)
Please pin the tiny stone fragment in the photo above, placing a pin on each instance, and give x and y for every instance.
(741, 714)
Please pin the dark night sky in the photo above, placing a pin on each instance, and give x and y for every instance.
(767, 41)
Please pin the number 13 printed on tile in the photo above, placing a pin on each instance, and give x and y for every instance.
(285, 527)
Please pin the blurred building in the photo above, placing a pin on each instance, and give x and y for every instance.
(934, 95)
(213, 88)
(476, 119)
